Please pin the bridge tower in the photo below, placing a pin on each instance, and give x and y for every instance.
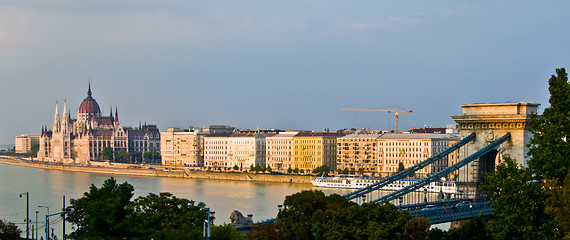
(491, 121)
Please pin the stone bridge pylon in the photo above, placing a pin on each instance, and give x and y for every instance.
(490, 121)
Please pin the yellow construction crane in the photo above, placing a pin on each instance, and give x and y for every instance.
(378, 110)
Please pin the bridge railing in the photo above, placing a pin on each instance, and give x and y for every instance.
(408, 171)
(444, 172)
(448, 214)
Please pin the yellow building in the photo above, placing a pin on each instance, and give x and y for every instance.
(314, 149)
(182, 147)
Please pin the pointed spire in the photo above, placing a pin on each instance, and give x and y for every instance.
(111, 114)
(56, 122)
(116, 114)
(89, 91)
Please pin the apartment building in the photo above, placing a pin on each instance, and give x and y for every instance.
(315, 149)
(24, 142)
(182, 147)
(279, 151)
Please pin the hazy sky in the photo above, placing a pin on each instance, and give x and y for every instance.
(274, 64)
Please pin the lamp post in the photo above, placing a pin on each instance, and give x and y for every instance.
(49, 215)
(208, 223)
(46, 223)
(27, 213)
(37, 223)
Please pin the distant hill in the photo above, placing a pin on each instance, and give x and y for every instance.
(6, 147)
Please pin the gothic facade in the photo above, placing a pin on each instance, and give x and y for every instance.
(83, 139)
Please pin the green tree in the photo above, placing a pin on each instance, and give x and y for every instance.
(558, 205)
(251, 168)
(268, 169)
(360, 171)
(34, 149)
(165, 216)
(312, 215)
(296, 170)
(302, 171)
(107, 153)
(120, 157)
(103, 212)
(352, 171)
(290, 170)
(236, 167)
(549, 148)
(401, 167)
(322, 170)
(345, 171)
(9, 230)
(518, 203)
(225, 232)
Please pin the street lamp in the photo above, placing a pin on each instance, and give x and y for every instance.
(49, 215)
(47, 228)
(208, 222)
(37, 226)
(27, 213)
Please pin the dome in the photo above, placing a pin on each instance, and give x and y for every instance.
(89, 106)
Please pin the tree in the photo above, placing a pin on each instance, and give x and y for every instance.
(165, 216)
(103, 212)
(34, 149)
(352, 171)
(401, 167)
(312, 215)
(236, 167)
(518, 203)
(251, 168)
(9, 230)
(225, 232)
(322, 170)
(289, 170)
(296, 170)
(120, 157)
(107, 153)
(549, 148)
(361, 171)
(558, 205)
(268, 169)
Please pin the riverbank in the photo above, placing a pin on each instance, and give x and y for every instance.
(159, 172)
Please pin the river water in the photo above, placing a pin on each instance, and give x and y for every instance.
(47, 188)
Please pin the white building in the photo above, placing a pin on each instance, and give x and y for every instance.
(24, 142)
(182, 147)
(216, 150)
(279, 151)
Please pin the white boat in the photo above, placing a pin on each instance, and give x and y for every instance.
(346, 181)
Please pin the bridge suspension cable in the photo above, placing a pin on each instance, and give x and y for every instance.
(444, 172)
(408, 171)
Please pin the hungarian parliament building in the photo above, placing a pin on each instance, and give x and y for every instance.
(83, 139)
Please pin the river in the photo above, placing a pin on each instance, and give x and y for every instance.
(47, 188)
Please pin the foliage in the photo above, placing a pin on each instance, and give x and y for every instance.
(164, 216)
(236, 167)
(312, 215)
(345, 171)
(260, 232)
(471, 229)
(290, 170)
(109, 213)
(9, 230)
(103, 212)
(558, 205)
(352, 171)
(107, 153)
(549, 149)
(225, 232)
(268, 169)
(151, 157)
(120, 157)
(518, 203)
(34, 149)
(360, 171)
(251, 168)
(296, 170)
(401, 167)
(322, 170)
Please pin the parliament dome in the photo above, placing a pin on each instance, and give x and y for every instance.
(89, 106)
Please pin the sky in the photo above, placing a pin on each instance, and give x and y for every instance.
(274, 64)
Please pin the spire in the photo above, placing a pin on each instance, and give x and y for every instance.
(116, 114)
(56, 122)
(65, 119)
(111, 112)
(89, 91)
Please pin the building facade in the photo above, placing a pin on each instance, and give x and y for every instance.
(279, 150)
(381, 154)
(83, 139)
(315, 149)
(182, 147)
(23, 143)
